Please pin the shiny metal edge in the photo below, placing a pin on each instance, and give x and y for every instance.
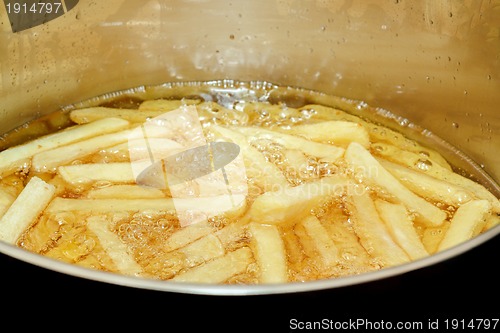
(240, 290)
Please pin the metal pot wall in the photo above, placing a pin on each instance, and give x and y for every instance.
(434, 63)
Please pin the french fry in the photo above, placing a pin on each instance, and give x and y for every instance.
(203, 249)
(290, 204)
(139, 149)
(125, 192)
(436, 170)
(427, 186)
(85, 173)
(380, 135)
(88, 115)
(13, 158)
(230, 206)
(49, 160)
(114, 247)
(417, 161)
(207, 206)
(336, 132)
(187, 235)
(368, 167)
(265, 174)
(25, 209)
(193, 254)
(467, 222)
(6, 199)
(323, 244)
(267, 112)
(166, 105)
(233, 232)
(373, 233)
(377, 133)
(60, 204)
(401, 228)
(317, 149)
(477, 189)
(352, 255)
(269, 252)
(218, 270)
(136, 149)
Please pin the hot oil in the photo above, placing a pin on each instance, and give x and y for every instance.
(65, 237)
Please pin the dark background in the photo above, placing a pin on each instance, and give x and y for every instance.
(464, 287)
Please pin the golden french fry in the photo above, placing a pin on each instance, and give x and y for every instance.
(13, 158)
(49, 160)
(88, 115)
(233, 232)
(187, 235)
(288, 141)
(144, 148)
(265, 174)
(467, 222)
(352, 255)
(269, 252)
(166, 105)
(125, 192)
(85, 173)
(401, 228)
(218, 270)
(137, 149)
(413, 160)
(367, 166)
(259, 112)
(114, 247)
(323, 244)
(427, 186)
(290, 204)
(372, 231)
(205, 207)
(25, 209)
(60, 204)
(477, 189)
(377, 133)
(425, 165)
(194, 254)
(336, 132)
(6, 199)
(203, 249)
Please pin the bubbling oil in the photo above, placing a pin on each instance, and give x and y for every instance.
(148, 234)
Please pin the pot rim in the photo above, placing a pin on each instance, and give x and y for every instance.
(241, 290)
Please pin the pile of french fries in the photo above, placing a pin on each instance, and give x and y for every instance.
(325, 194)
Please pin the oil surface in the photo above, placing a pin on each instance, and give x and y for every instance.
(329, 241)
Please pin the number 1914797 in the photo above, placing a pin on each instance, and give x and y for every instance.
(35, 8)
(478, 324)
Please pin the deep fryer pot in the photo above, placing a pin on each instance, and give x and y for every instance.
(434, 63)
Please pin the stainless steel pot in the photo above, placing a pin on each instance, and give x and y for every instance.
(435, 63)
